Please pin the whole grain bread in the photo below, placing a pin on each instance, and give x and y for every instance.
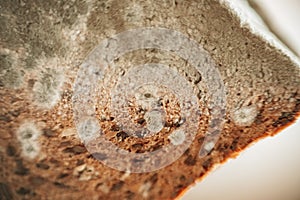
(43, 45)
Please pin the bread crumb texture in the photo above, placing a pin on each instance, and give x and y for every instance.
(42, 45)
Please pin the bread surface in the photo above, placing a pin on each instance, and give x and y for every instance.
(43, 45)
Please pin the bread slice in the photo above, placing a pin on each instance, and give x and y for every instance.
(55, 142)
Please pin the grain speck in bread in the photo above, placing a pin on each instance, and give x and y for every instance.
(42, 46)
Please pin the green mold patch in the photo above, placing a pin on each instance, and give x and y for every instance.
(37, 26)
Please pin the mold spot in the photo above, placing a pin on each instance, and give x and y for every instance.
(46, 91)
(88, 130)
(28, 135)
(154, 121)
(177, 137)
(10, 76)
(244, 116)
